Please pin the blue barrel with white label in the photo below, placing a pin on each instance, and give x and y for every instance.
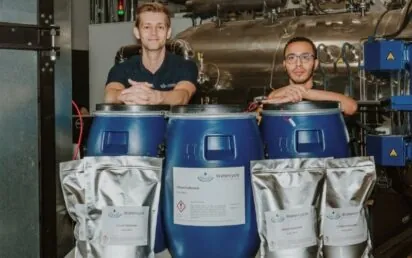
(304, 130)
(133, 130)
(208, 205)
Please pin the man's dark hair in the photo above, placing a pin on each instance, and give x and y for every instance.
(301, 39)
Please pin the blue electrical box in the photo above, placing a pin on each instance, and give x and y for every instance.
(384, 55)
(401, 103)
(388, 150)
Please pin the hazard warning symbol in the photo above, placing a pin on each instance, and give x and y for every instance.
(393, 153)
(390, 57)
(181, 206)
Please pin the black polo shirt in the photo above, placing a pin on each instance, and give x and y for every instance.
(173, 70)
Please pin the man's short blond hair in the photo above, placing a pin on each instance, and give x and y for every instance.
(152, 7)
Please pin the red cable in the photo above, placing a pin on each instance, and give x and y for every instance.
(79, 141)
(252, 107)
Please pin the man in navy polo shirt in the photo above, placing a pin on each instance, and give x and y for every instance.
(156, 77)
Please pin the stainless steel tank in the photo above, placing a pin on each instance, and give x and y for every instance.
(248, 54)
(202, 7)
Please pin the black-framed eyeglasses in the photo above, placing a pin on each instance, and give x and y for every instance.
(304, 58)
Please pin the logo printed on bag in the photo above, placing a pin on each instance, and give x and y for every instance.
(114, 214)
(333, 215)
(205, 177)
(278, 218)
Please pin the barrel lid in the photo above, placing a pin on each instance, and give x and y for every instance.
(131, 108)
(302, 106)
(207, 109)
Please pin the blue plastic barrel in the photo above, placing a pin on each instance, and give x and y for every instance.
(208, 205)
(130, 130)
(127, 130)
(304, 130)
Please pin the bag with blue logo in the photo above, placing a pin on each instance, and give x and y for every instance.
(344, 231)
(114, 201)
(287, 195)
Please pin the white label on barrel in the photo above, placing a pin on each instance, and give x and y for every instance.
(344, 226)
(209, 196)
(292, 228)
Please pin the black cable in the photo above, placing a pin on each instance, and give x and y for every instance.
(401, 28)
(379, 22)
(368, 129)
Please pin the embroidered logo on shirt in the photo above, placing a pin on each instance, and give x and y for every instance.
(166, 86)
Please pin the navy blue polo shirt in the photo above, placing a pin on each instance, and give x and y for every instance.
(173, 70)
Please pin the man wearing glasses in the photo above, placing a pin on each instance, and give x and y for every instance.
(300, 63)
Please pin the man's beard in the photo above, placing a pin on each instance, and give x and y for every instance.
(302, 81)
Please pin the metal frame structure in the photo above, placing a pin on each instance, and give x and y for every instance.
(42, 38)
(48, 222)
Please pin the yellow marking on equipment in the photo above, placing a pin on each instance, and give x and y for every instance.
(393, 153)
(390, 57)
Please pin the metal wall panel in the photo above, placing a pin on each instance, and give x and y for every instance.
(19, 173)
(35, 121)
(18, 11)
